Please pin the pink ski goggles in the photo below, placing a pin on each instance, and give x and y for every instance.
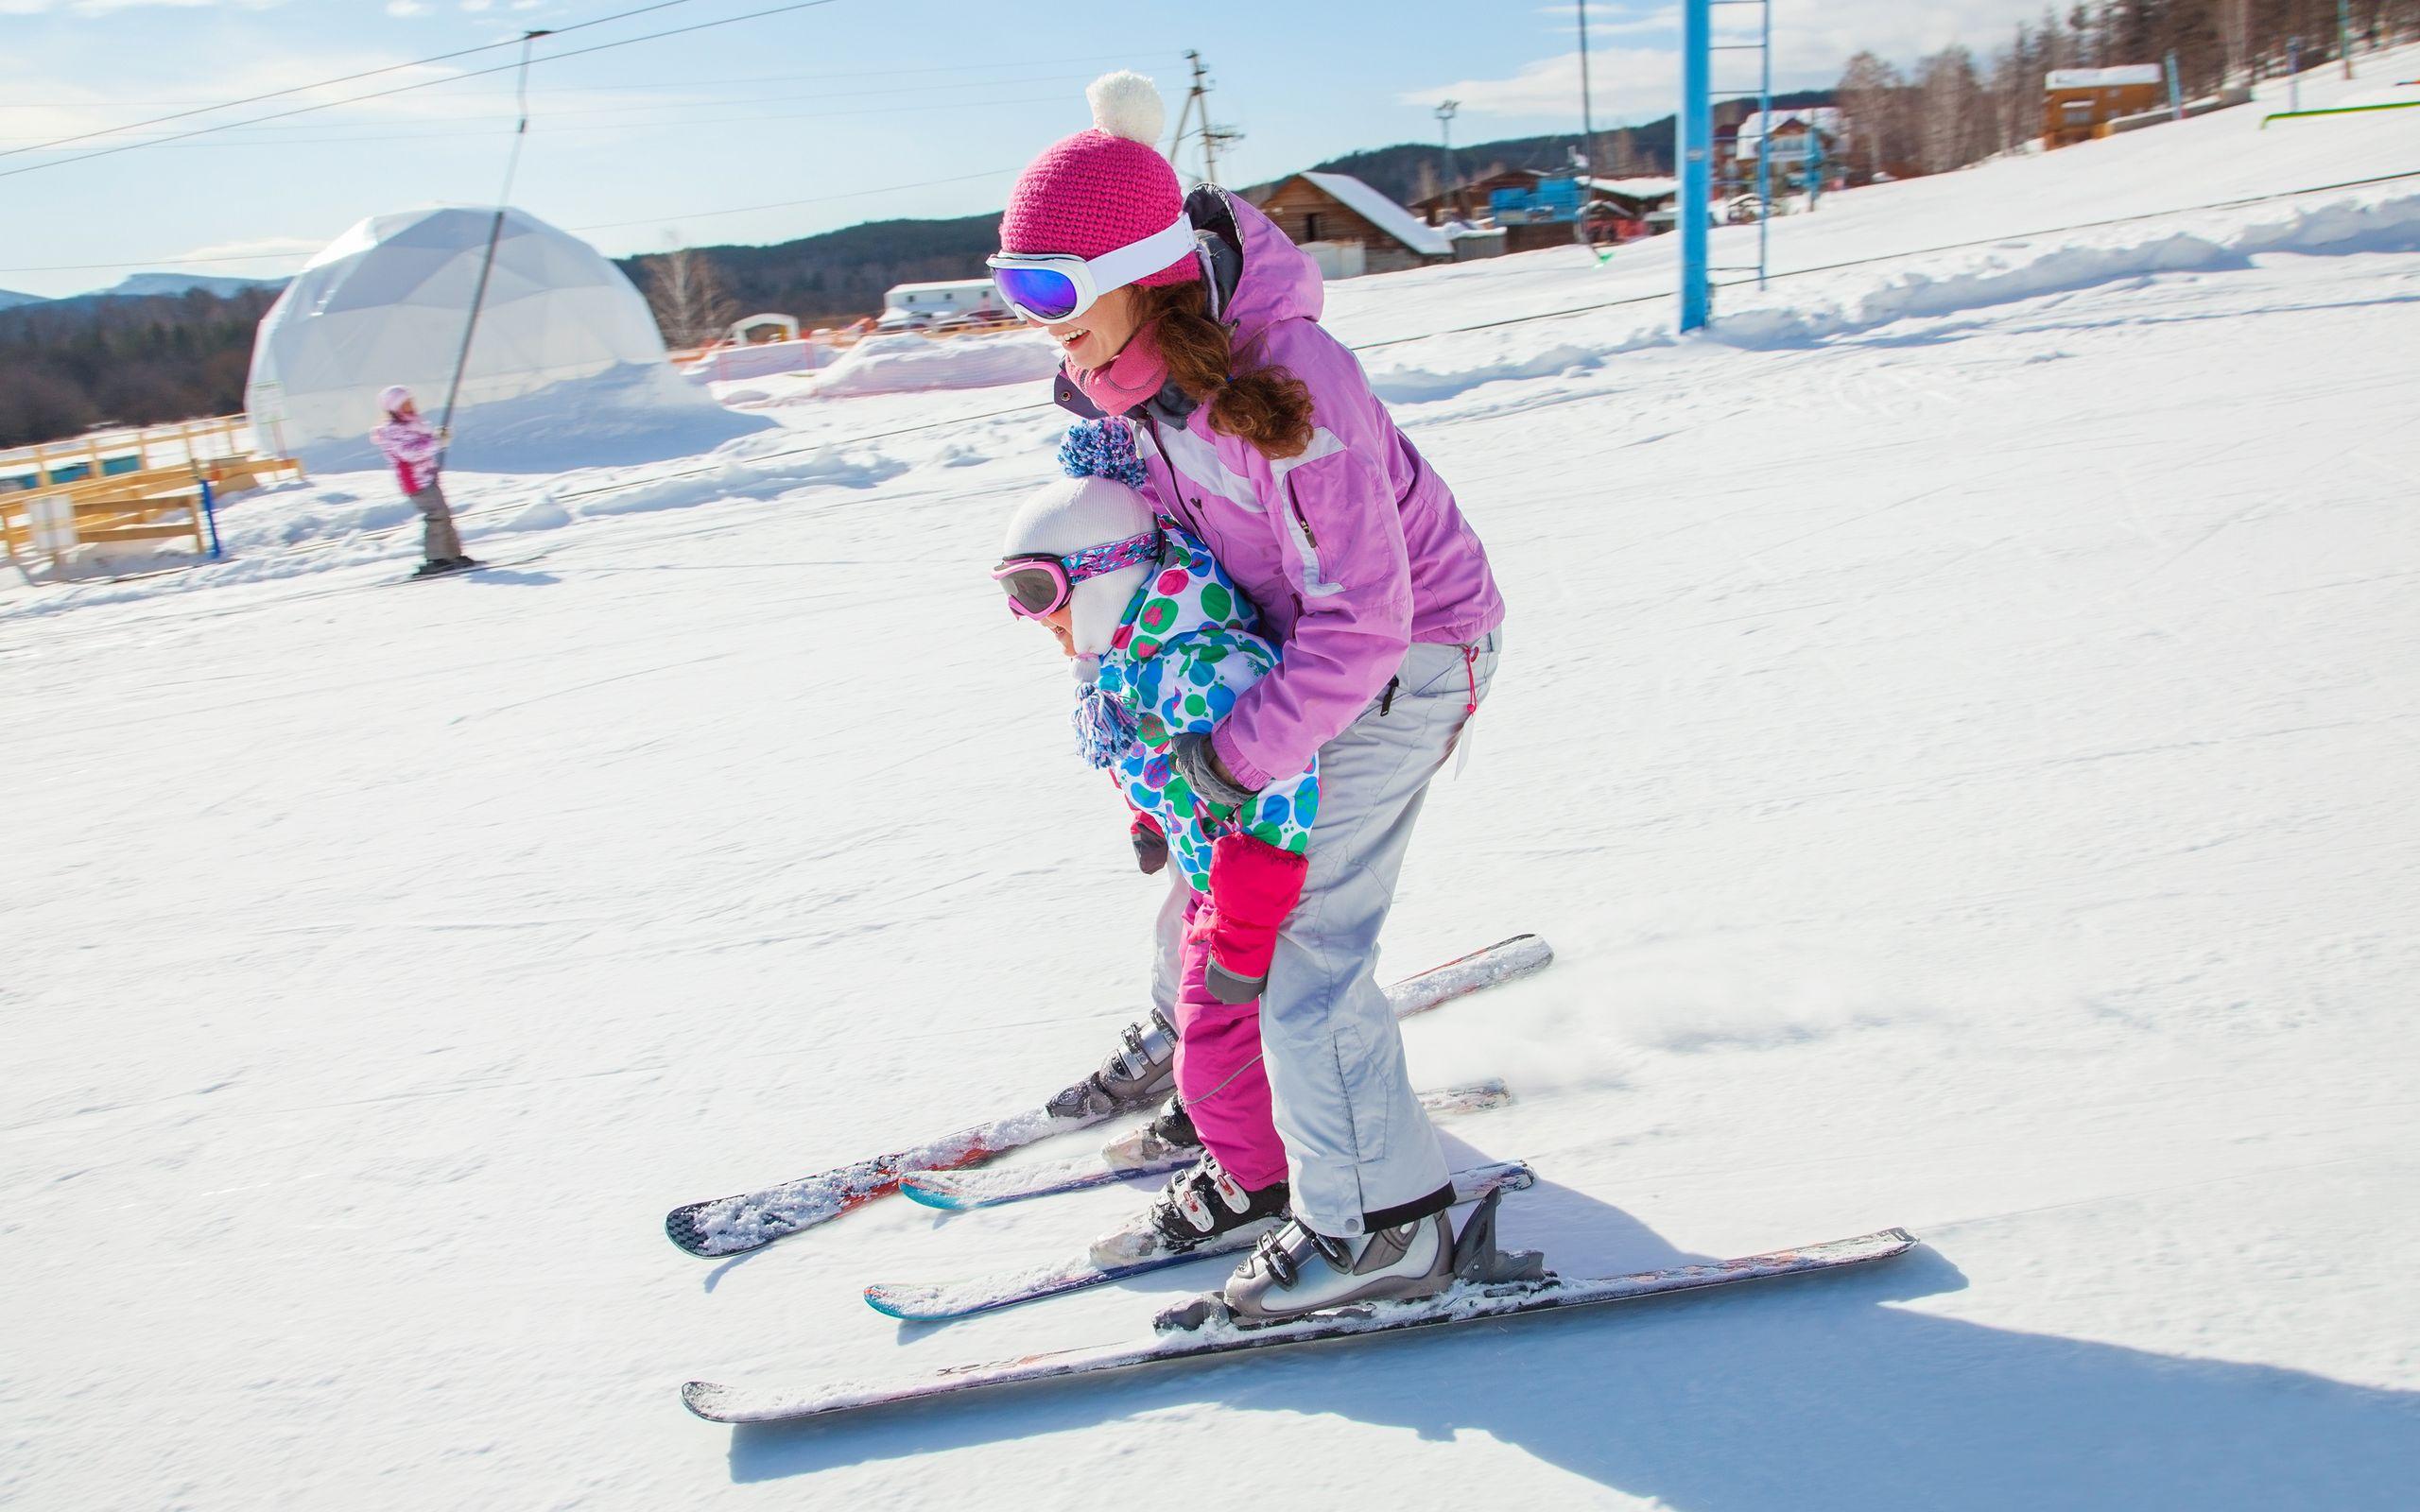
(1040, 583)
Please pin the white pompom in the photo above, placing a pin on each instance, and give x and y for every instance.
(1125, 104)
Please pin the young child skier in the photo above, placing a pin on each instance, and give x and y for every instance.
(1162, 643)
(416, 448)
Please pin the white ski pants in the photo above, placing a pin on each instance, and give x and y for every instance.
(1356, 1141)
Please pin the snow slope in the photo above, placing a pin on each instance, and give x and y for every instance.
(1956, 726)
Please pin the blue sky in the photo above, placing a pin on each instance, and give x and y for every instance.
(853, 111)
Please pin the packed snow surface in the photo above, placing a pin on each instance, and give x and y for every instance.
(1957, 729)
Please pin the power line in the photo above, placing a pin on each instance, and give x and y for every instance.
(628, 126)
(614, 225)
(326, 84)
(651, 83)
(789, 204)
(431, 83)
(265, 133)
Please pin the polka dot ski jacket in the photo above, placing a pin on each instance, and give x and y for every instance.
(1188, 647)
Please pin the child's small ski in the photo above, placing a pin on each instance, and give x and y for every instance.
(959, 1191)
(749, 1220)
(1466, 1301)
(471, 571)
(933, 1303)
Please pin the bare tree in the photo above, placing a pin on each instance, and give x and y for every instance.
(684, 290)
(1872, 96)
(1952, 125)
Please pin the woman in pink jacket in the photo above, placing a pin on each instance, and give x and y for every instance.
(1199, 321)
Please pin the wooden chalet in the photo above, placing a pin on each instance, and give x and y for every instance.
(1335, 209)
(2077, 104)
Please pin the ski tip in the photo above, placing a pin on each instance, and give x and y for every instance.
(902, 1302)
(932, 1192)
(1533, 949)
(707, 1398)
(680, 1226)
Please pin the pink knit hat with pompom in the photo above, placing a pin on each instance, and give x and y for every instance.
(1101, 189)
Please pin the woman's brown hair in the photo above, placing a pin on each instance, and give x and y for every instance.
(1266, 406)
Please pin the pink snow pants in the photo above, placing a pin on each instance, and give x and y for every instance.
(1217, 1067)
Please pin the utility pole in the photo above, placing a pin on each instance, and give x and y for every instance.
(1213, 137)
(1587, 104)
(1445, 110)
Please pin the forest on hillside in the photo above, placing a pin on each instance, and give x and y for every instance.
(68, 365)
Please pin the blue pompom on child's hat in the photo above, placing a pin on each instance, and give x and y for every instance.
(1101, 448)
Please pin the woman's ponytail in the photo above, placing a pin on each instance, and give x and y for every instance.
(1266, 406)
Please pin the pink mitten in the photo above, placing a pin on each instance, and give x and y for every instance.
(1254, 886)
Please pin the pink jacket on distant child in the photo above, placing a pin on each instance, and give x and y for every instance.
(412, 446)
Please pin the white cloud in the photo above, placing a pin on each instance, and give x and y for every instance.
(1604, 21)
(475, 7)
(260, 248)
(1812, 39)
(1629, 83)
(405, 8)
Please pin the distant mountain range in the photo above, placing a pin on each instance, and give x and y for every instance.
(149, 287)
(138, 285)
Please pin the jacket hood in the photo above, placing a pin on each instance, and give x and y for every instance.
(1275, 280)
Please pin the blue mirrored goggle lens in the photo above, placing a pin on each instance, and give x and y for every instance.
(1044, 293)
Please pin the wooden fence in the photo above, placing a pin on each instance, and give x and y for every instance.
(127, 487)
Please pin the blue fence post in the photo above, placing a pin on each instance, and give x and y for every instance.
(1697, 156)
(210, 518)
(2175, 94)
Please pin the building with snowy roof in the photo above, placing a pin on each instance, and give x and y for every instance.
(1337, 209)
(2077, 104)
(1798, 141)
(565, 367)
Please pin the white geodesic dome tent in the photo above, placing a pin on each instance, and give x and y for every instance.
(567, 366)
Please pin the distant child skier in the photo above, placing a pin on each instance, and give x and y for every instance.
(416, 449)
(1162, 643)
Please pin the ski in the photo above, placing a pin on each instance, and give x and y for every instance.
(934, 1303)
(961, 1190)
(749, 1220)
(1465, 1302)
(471, 571)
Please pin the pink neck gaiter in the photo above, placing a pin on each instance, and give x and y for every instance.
(1132, 376)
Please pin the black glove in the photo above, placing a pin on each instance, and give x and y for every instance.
(1150, 845)
(1194, 761)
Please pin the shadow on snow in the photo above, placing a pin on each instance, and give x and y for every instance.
(1815, 1393)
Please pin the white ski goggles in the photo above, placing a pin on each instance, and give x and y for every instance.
(1048, 288)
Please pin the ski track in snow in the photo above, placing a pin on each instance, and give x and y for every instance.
(1955, 729)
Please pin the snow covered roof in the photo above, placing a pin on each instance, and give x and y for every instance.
(1385, 214)
(1637, 188)
(1823, 118)
(2104, 78)
(954, 285)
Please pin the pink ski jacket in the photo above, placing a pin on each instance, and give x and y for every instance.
(411, 445)
(1353, 550)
